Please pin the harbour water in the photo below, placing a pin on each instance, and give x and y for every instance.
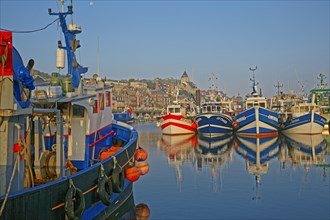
(192, 177)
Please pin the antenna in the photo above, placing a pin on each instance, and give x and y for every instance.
(278, 86)
(98, 55)
(321, 77)
(302, 88)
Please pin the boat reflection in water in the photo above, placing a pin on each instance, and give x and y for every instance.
(306, 150)
(257, 152)
(213, 151)
(179, 149)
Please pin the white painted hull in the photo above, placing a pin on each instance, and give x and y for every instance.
(173, 126)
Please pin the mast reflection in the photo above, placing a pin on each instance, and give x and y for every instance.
(213, 152)
(257, 152)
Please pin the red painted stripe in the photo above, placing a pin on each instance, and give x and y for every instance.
(97, 130)
(100, 139)
(187, 127)
(170, 116)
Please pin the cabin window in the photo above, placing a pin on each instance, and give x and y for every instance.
(78, 111)
(170, 110)
(108, 99)
(96, 106)
(249, 105)
(177, 110)
(263, 105)
(101, 101)
(218, 108)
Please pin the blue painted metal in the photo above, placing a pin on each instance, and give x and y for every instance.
(74, 69)
(245, 118)
(213, 122)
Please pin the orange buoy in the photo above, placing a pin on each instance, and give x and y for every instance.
(132, 174)
(141, 154)
(143, 166)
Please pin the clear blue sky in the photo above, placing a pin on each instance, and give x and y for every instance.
(287, 40)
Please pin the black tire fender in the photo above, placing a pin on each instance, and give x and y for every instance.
(74, 195)
(104, 189)
(118, 179)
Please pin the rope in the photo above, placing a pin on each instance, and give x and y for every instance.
(26, 32)
(10, 183)
(129, 161)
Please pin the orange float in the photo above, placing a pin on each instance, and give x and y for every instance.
(141, 154)
(111, 151)
(143, 166)
(132, 174)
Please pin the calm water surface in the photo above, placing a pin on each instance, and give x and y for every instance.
(194, 177)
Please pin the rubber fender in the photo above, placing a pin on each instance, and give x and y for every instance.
(104, 189)
(72, 196)
(118, 179)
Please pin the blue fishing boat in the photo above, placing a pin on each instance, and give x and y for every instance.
(256, 120)
(62, 156)
(213, 121)
(125, 116)
(215, 116)
(303, 118)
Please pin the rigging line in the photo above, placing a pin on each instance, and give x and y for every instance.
(25, 32)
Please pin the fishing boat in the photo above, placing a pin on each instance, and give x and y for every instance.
(175, 121)
(304, 118)
(62, 156)
(215, 115)
(256, 120)
(321, 96)
(213, 121)
(125, 116)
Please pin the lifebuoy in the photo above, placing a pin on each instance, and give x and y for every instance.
(104, 189)
(73, 196)
(118, 178)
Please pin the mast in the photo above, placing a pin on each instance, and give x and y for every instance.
(71, 44)
(254, 84)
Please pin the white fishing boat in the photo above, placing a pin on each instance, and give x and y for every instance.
(176, 122)
(304, 118)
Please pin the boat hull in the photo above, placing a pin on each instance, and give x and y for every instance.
(309, 123)
(258, 122)
(47, 201)
(177, 125)
(213, 124)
